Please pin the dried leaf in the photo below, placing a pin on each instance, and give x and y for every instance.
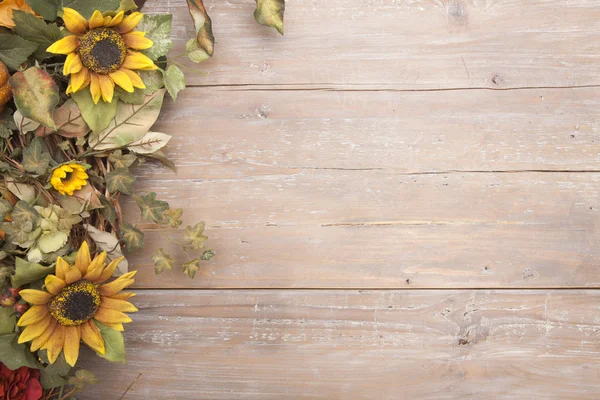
(162, 261)
(121, 160)
(110, 243)
(193, 236)
(150, 143)
(24, 124)
(205, 40)
(152, 209)
(35, 94)
(172, 217)
(132, 236)
(270, 13)
(191, 267)
(69, 122)
(35, 160)
(120, 180)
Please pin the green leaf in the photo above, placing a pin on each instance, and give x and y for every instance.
(114, 345)
(162, 261)
(35, 94)
(207, 255)
(108, 210)
(8, 319)
(69, 122)
(60, 366)
(150, 143)
(270, 13)
(120, 180)
(127, 5)
(193, 236)
(15, 50)
(28, 272)
(131, 123)
(82, 378)
(50, 381)
(5, 208)
(204, 40)
(194, 52)
(191, 267)
(97, 116)
(173, 217)
(49, 242)
(46, 8)
(153, 80)
(135, 97)
(132, 236)
(174, 80)
(152, 209)
(87, 7)
(34, 160)
(158, 29)
(5, 133)
(36, 30)
(15, 355)
(121, 160)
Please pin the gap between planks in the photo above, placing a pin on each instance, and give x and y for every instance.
(368, 289)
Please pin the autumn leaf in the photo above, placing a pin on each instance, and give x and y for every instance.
(132, 236)
(193, 236)
(162, 261)
(207, 255)
(36, 95)
(120, 180)
(152, 209)
(191, 267)
(121, 160)
(270, 13)
(35, 160)
(205, 41)
(69, 122)
(173, 217)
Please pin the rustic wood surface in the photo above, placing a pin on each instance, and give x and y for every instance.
(403, 197)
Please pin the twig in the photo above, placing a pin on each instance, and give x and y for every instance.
(129, 387)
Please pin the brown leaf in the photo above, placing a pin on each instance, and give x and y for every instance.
(69, 122)
(270, 13)
(204, 35)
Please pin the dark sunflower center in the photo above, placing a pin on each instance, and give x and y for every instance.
(67, 176)
(102, 50)
(75, 304)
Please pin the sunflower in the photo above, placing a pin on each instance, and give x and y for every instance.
(68, 178)
(63, 314)
(101, 53)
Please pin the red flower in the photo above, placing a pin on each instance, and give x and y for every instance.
(20, 384)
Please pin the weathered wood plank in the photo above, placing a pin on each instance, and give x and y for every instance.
(329, 228)
(358, 344)
(233, 133)
(408, 45)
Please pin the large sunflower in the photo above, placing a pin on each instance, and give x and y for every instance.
(63, 314)
(100, 55)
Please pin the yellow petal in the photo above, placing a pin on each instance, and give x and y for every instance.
(98, 261)
(74, 22)
(109, 316)
(72, 64)
(109, 289)
(78, 79)
(65, 45)
(135, 78)
(123, 295)
(71, 346)
(83, 259)
(116, 20)
(62, 267)
(73, 275)
(135, 60)
(41, 340)
(55, 343)
(33, 315)
(137, 41)
(117, 326)
(109, 270)
(95, 88)
(92, 337)
(96, 20)
(119, 305)
(54, 284)
(122, 79)
(128, 275)
(107, 87)
(34, 330)
(129, 22)
(36, 297)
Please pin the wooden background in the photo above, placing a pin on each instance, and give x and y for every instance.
(404, 200)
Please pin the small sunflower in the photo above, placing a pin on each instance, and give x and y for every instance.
(68, 178)
(101, 53)
(61, 316)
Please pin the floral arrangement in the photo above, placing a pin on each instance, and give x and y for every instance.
(81, 84)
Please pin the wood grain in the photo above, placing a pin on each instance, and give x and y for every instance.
(399, 44)
(358, 344)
